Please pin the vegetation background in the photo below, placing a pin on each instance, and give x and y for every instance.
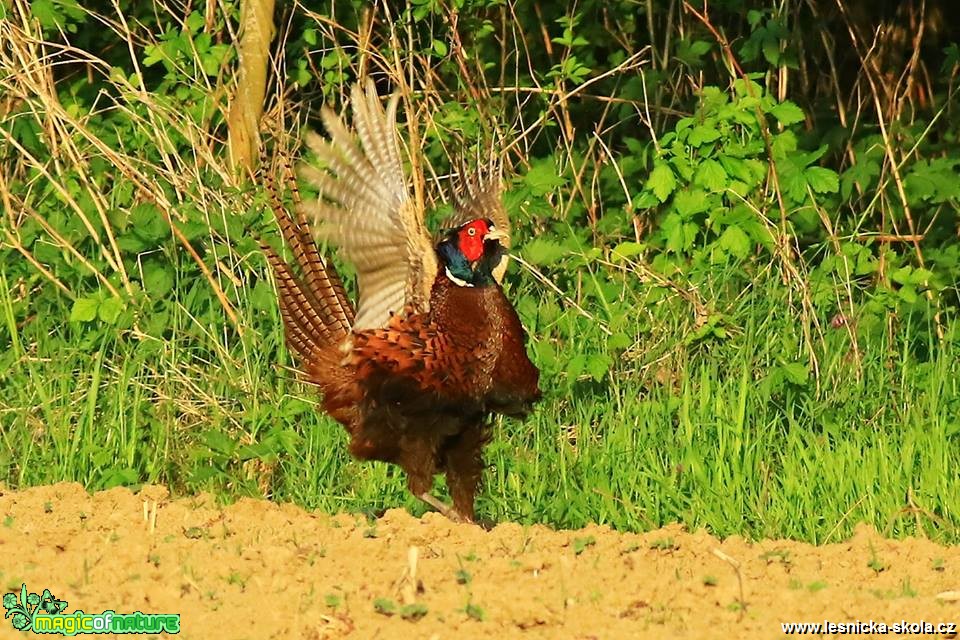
(736, 228)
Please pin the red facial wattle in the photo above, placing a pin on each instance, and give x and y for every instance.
(470, 239)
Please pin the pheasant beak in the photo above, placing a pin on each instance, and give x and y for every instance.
(495, 234)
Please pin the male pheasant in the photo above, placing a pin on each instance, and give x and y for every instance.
(433, 347)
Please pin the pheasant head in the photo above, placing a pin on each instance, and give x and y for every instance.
(472, 252)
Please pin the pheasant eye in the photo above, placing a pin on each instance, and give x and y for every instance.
(471, 231)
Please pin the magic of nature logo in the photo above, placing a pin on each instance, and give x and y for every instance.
(44, 613)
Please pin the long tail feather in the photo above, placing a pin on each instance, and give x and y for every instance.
(345, 307)
(322, 279)
(305, 331)
(313, 304)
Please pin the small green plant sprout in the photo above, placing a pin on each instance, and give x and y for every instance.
(385, 606)
(939, 565)
(333, 600)
(778, 555)
(581, 544)
(816, 585)
(710, 581)
(237, 579)
(664, 544)
(906, 589)
(413, 612)
(463, 576)
(875, 563)
(474, 612)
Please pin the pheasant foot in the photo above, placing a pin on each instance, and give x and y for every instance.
(442, 507)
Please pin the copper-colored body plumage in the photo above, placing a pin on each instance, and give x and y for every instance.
(416, 371)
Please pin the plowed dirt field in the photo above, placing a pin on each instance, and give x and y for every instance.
(256, 570)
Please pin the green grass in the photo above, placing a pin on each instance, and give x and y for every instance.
(707, 433)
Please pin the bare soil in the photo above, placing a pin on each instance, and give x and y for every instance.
(257, 569)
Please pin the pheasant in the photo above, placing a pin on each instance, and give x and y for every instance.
(433, 347)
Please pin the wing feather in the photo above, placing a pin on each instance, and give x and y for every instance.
(366, 210)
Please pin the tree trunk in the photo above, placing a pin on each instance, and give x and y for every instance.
(256, 31)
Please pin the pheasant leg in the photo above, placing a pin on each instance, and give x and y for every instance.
(442, 507)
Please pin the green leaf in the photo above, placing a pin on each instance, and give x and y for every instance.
(920, 276)
(735, 168)
(771, 50)
(543, 252)
(575, 367)
(796, 373)
(218, 441)
(792, 181)
(598, 364)
(736, 241)
(262, 297)
(475, 611)
(131, 243)
(157, 279)
(701, 134)
(57, 14)
(109, 310)
(902, 275)
(194, 22)
(661, 181)
(148, 222)
(680, 235)
(788, 113)
(626, 250)
(699, 47)
(951, 58)
(690, 202)
(822, 180)
(193, 229)
(783, 144)
(690, 53)
(908, 294)
(84, 310)
(710, 174)
(619, 341)
(543, 178)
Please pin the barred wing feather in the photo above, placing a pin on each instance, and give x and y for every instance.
(365, 209)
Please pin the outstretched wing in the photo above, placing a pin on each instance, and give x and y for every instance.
(365, 208)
